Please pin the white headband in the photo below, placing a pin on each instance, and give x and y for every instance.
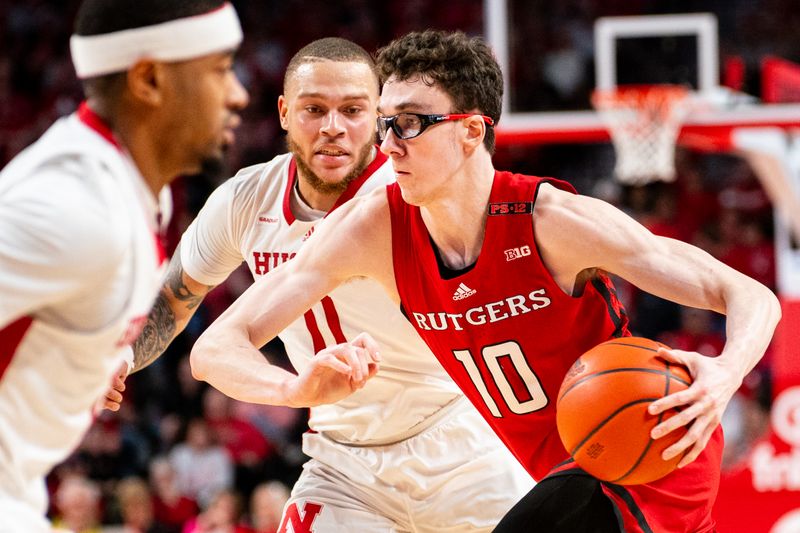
(176, 40)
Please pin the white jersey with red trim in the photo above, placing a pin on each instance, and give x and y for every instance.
(79, 269)
(249, 218)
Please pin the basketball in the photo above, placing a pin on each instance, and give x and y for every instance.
(602, 413)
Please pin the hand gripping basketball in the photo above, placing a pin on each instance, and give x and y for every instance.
(602, 413)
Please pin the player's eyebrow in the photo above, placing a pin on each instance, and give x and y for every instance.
(407, 106)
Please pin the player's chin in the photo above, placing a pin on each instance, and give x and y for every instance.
(410, 197)
(331, 174)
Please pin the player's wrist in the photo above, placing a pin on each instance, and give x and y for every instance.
(289, 396)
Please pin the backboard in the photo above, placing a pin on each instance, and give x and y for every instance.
(670, 48)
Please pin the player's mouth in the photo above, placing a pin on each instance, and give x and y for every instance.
(399, 172)
(333, 155)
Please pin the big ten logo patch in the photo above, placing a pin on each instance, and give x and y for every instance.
(772, 469)
(516, 253)
(300, 521)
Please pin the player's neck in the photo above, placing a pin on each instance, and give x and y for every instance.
(313, 197)
(456, 220)
(145, 156)
(301, 209)
(143, 137)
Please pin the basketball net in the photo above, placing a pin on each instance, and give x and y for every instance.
(644, 122)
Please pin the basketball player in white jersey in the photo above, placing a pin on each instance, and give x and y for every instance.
(404, 453)
(80, 260)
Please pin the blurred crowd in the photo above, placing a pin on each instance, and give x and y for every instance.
(181, 457)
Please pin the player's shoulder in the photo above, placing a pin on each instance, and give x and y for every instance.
(260, 174)
(366, 205)
(366, 215)
(72, 216)
(256, 184)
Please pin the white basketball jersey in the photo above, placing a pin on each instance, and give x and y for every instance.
(249, 218)
(79, 269)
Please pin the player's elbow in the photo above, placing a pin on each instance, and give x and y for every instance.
(199, 359)
(774, 305)
(762, 300)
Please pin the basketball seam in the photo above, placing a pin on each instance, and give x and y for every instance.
(602, 423)
(650, 440)
(620, 343)
(665, 372)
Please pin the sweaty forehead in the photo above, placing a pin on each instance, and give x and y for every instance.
(336, 79)
(412, 95)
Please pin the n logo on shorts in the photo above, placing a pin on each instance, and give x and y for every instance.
(304, 524)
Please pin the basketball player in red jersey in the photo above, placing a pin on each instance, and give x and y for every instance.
(503, 276)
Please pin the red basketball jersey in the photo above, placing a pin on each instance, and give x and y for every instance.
(504, 330)
(507, 334)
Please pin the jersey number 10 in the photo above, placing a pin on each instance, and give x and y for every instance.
(513, 378)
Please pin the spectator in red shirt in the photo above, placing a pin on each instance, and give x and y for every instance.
(170, 506)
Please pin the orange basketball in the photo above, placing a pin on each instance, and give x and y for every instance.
(602, 410)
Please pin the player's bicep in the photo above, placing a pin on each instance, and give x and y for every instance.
(662, 266)
(679, 272)
(209, 248)
(341, 247)
(181, 291)
(580, 233)
(351, 242)
(273, 302)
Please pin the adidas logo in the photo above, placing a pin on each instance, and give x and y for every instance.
(463, 292)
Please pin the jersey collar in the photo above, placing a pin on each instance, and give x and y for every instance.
(350, 192)
(93, 120)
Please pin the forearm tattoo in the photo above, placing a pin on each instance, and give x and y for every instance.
(161, 325)
(156, 335)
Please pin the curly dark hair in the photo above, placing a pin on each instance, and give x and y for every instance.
(463, 67)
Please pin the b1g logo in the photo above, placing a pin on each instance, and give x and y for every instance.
(516, 253)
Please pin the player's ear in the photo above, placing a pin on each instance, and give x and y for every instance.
(475, 131)
(145, 80)
(283, 110)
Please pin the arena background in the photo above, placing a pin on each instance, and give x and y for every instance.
(717, 202)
